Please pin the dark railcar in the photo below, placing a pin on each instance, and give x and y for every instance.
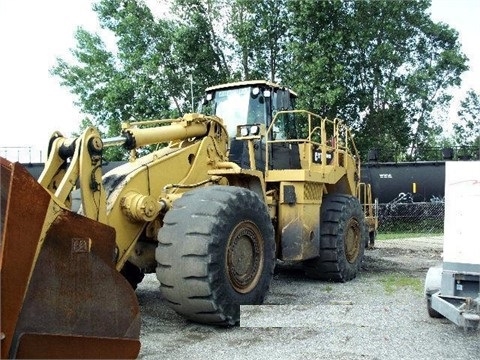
(421, 181)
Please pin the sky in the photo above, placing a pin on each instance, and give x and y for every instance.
(34, 33)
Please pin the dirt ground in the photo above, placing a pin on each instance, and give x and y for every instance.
(379, 315)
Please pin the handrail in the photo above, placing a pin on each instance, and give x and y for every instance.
(328, 136)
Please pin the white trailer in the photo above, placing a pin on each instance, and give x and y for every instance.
(453, 289)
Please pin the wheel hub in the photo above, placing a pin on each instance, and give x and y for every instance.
(352, 241)
(244, 256)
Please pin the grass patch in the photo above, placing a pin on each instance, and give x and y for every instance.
(393, 282)
(392, 236)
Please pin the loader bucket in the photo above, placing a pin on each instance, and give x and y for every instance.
(61, 296)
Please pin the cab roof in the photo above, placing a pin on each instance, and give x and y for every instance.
(249, 83)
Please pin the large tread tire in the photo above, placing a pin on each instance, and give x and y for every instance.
(216, 252)
(343, 236)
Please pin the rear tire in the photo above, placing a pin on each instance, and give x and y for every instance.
(343, 236)
(433, 284)
(431, 312)
(372, 235)
(216, 252)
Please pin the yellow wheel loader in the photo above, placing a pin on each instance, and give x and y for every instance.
(228, 191)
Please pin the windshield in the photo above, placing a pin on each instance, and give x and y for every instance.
(239, 107)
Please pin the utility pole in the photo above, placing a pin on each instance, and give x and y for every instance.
(191, 90)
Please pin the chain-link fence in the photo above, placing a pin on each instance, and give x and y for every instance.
(411, 218)
(414, 227)
(410, 225)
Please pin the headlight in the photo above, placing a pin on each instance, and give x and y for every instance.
(250, 131)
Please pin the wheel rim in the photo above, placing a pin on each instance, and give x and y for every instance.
(245, 255)
(352, 241)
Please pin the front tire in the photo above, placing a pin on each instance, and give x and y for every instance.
(216, 252)
(343, 236)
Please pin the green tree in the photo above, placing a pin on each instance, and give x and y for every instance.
(145, 74)
(247, 38)
(467, 128)
(120, 81)
(384, 66)
(316, 47)
(259, 29)
(200, 47)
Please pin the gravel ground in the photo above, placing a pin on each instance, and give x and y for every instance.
(379, 315)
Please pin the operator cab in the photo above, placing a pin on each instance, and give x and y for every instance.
(255, 103)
